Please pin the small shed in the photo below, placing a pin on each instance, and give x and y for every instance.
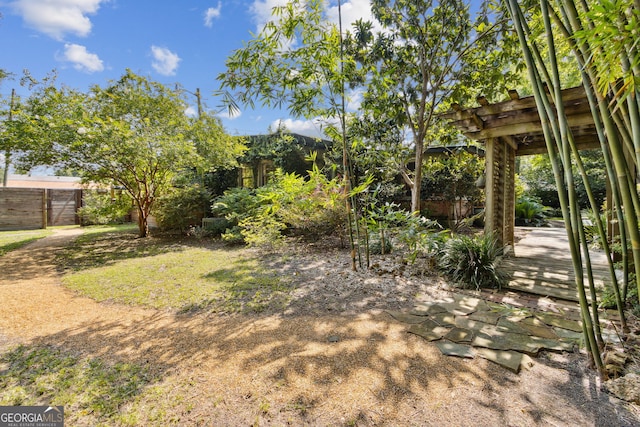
(258, 162)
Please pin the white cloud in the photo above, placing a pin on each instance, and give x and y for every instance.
(164, 61)
(354, 99)
(191, 111)
(312, 128)
(212, 13)
(58, 17)
(351, 11)
(226, 114)
(82, 59)
(261, 11)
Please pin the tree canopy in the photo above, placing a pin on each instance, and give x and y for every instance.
(426, 53)
(133, 133)
(429, 55)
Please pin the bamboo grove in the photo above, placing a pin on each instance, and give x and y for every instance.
(603, 38)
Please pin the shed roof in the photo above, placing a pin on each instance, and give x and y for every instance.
(46, 182)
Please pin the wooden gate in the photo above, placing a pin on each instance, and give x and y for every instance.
(62, 207)
(29, 208)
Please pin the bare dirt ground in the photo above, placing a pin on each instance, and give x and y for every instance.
(332, 358)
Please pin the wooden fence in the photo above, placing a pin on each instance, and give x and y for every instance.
(31, 208)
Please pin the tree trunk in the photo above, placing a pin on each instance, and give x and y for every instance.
(416, 200)
(143, 221)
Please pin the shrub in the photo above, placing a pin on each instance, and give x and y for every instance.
(289, 203)
(420, 237)
(473, 262)
(376, 246)
(263, 230)
(100, 209)
(531, 212)
(216, 226)
(181, 208)
(591, 227)
(198, 232)
(235, 206)
(312, 208)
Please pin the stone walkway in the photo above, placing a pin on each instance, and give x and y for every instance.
(537, 311)
(466, 326)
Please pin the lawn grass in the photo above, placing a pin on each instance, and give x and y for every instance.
(91, 390)
(12, 240)
(176, 273)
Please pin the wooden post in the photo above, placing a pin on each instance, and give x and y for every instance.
(79, 194)
(509, 195)
(45, 211)
(500, 165)
(491, 166)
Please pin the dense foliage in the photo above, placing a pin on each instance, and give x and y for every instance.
(473, 262)
(452, 178)
(288, 204)
(536, 174)
(601, 37)
(101, 207)
(530, 212)
(182, 207)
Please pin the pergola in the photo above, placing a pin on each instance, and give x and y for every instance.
(509, 129)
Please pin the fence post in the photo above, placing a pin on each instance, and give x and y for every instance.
(44, 208)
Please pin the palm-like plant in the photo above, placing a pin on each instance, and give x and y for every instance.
(473, 262)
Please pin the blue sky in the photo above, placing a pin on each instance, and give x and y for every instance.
(93, 41)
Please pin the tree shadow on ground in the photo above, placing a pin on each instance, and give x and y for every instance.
(331, 370)
(108, 248)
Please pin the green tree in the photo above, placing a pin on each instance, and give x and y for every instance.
(295, 63)
(536, 173)
(133, 133)
(7, 141)
(452, 178)
(429, 54)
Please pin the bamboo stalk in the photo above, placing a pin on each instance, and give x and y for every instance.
(554, 129)
(628, 195)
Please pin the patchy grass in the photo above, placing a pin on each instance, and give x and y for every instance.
(170, 273)
(91, 390)
(12, 240)
(110, 228)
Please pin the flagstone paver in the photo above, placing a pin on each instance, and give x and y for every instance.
(467, 326)
(425, 309)
(555, 320)
(455, 349)
(459, 335)
(538, 328)
(537, 311)
(429, 330)
(490, 317)
(567, 334)
(445, 319)
(511, 360)
(407, 317)
(507, 342)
